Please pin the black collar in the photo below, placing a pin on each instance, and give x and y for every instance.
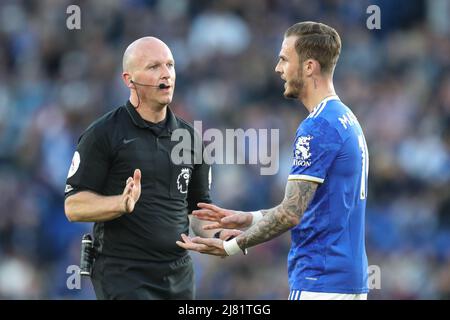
(172, 123)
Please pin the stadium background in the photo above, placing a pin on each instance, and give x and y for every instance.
(54, 82)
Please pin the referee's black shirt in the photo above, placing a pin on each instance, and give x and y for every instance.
(107, 154)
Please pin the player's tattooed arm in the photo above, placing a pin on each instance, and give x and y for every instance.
(283, 217)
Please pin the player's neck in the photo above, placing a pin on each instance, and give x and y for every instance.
(316, 93)
(149, 112)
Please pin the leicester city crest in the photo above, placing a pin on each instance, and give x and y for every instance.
(302, 154)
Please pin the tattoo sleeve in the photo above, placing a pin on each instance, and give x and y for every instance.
(283, 217)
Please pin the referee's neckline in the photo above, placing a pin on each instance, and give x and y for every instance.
(171, 122)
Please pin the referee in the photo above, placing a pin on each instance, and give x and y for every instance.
(122, 178)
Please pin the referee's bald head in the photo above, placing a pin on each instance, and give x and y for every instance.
(140, 49)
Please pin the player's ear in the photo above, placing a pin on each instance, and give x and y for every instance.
(310, 66)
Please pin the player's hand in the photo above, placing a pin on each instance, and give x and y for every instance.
(227, 234)
(222, 218)
(132, 192)
(210, 246)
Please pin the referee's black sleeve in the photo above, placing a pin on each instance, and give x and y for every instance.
(199, 186)
(90, 163)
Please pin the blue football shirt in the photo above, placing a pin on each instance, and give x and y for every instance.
(328, 246)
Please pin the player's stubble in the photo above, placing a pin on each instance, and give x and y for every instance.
(295, 86)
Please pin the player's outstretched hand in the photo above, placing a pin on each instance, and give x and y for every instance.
(227, 234)
(222, 218)
(210, 246)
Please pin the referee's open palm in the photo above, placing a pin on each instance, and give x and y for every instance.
(132, 192)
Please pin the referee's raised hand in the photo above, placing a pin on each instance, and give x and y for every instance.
(132, 192)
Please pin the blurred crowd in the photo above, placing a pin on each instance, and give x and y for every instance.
(54, 82)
